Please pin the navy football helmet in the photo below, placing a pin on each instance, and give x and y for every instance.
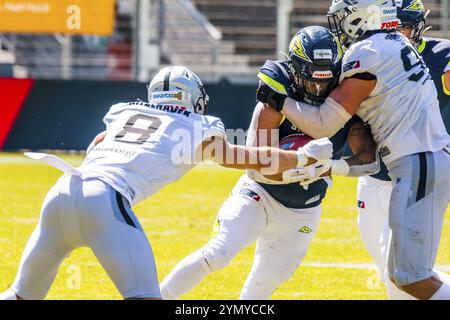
(412, 16)
(315, 61)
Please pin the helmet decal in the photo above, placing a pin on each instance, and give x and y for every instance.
(297, 48)
(416, 5)
(178, 85)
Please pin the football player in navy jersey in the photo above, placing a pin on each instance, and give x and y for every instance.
(375, 191)
(281, 216)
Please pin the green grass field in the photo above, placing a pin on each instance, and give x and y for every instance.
(178, 220)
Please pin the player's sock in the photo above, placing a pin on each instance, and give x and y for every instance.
(8, 295)
(442, 294)
(185, 276)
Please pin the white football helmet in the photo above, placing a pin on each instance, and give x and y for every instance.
(349, 20)
(179, 86)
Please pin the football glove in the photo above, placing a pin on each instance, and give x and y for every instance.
(319, 149)
(307, 175)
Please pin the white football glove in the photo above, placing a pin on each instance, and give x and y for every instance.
(258, 177)
(320, 149)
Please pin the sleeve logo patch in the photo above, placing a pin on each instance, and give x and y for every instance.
(361, 204)
(249, 193)
(351, 65)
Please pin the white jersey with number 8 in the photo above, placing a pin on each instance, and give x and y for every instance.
(402, 110)
(148, 146)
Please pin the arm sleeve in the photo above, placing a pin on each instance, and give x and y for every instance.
(317, 122)
(342, 168)
(365, 169)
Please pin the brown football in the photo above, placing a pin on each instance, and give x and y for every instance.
(294, 141)
(291, 142)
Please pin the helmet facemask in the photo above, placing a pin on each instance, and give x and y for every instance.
(201, 105)
(335, 22)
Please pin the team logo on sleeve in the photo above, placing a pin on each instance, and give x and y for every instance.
(251, 194)
(352, 65)
(361, 204)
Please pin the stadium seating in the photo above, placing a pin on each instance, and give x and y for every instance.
(248, 28)
(184, 40)
(251, 25)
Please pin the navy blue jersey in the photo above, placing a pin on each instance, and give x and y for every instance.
(294, 195)
(436, 54)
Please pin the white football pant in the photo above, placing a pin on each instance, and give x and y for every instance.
(87, 213)
(250, 214)
(373, 210)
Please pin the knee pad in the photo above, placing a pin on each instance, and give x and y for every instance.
(216, 256)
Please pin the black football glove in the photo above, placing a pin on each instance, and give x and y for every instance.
(267, 95)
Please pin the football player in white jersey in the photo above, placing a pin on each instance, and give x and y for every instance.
(145, 146)
(374, 191)
(385, 82)
(282, 219)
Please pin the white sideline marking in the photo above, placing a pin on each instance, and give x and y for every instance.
(445, 268)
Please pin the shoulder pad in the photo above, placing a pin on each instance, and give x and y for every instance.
(277, 73)
(119, 107)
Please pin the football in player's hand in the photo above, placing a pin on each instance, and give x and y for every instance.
(291, 142)
(294, 141)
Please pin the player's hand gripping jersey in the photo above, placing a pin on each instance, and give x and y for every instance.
(414, 122)
(148, 146)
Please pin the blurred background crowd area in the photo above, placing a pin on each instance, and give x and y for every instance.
(218, 39)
